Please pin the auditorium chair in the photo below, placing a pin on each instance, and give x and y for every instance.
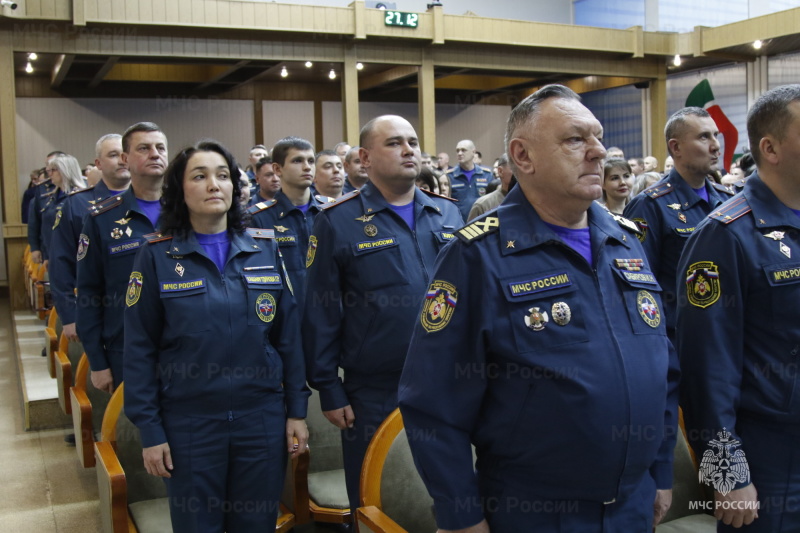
(317, 490)
(131, 500)
(51, 331)
(88, 407)
(66, 362)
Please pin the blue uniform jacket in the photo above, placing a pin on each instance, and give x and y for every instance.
(109, 240)
(738, 330)
(467, 191)
(208, 344)
(668, 213)
(292, 230)
(559, 372)
(366, 274)
(65, 247)
(51, 219)
(37, 205)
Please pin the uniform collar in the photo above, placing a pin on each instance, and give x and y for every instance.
(768, 211)
(285, 206)
(458, 171)
(516, 212)
(373, 201)
(686, 195)
(100, 191)
(187, 244)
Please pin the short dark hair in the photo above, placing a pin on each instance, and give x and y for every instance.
(323, 153)
(263, 161)
(502, 160)
(529, 107)
(677, 121)
(427, 177)
(639, 161)
(139, 126)
(616, 162)
(770, 116)
(282, 147)
(174, 212)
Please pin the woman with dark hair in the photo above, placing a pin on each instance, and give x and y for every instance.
(37, 177)
(214, 371)
(617, 184)
(427, 180)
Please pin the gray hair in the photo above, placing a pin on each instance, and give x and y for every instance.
(70, 170)
(677, 121)
(98, 147)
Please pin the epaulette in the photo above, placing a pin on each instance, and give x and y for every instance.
(322, 199)
(260, 206)
(629, 225)
(726, 189)
(156, 237)
(478, 229)
(260, 233)
(76, 191)
(341, 199)
(109, 203)
(437, 195)
(731, 210)
(658, 190)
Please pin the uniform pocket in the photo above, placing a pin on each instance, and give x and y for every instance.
(263, 292)
(186, 305)
(379, 263)
(642, 297)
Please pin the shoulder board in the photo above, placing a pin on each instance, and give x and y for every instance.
(437, 195)
(659, 190)
(725, 189)
(260, 233)
(478, 229)
(109, 203)
(324, 199)
(341, 199)
(486, 169)
(156, 237)
(629, 225)
(76, 191)
(260, 206)
(731, 210)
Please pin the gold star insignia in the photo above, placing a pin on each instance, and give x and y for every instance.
(510, 244)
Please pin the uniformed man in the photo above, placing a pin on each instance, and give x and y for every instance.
(738, 332)
(355, 175)
(115, 179)
(669, 211)
(468, 181)
(369, 259)
(328, 174)
(44, 191)
(269, 183)
(291, 214)
(542, 343)
(109, 240)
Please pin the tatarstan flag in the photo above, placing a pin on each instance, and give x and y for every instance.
(703, 96)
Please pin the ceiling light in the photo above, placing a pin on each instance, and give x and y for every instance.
(29, 68)
(309, 64)
(359, 66)
(284, 72)
(757, 44)
(676, 60)
(32, 56)
(332, 74)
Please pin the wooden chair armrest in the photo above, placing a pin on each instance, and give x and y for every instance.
(63, 380)
(286, 521)
(82, 424)
(296, 489)
(112, 487)
(376, 521)
(51, 350)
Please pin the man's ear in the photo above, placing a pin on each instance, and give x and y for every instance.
(520, 155)
(276, 168)
(770, 149)
(363, 154)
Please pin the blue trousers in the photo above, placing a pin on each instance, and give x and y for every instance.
(372, 401)
(228, 475)
(773, 454)
(511, 511)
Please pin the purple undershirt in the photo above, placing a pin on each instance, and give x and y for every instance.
(796, 212)
(577, 239)
(406, 212)
(468, 173)
(304, 208)
(702, 192)
(112, 193)
(217, 246)
(152, 209)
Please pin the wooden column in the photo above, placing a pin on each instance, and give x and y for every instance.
(351, 124)
(658, 117)
(427, 104)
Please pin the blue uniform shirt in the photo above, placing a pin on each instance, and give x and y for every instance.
(110, 238)
(206, 343)
(65, 247)
(466, 191)
(668, 213)
(738, 322)
(559, 373)
(367, 272)
(292, 229)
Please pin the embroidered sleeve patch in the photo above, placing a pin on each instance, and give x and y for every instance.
(312, 250)
(134, 289)
(83, 246)
(439, 305)
(702, 284)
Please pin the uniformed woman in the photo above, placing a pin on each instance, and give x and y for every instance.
(214, 372)
(65, 173)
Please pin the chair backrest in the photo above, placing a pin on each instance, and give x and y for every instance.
(390, 480)
(98, 399)
(52, 318)
(324, 439)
